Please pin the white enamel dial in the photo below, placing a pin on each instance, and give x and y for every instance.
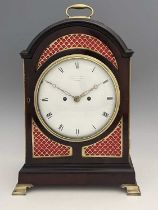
(77, 98)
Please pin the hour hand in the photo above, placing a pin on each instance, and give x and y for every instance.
(64, 91)
(54, 85)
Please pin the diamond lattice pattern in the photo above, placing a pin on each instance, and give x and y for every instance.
(45, 147)
(111, 146)
(72, 41)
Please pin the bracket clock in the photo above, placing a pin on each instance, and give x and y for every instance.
(77, 86)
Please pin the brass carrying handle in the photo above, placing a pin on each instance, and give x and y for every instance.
(79, 6)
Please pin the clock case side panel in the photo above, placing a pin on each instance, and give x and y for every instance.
(28, 71)
(33, 52)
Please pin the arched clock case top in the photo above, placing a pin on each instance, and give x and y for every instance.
(90, 27)
(76, 168)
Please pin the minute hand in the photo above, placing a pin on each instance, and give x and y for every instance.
(91, 89)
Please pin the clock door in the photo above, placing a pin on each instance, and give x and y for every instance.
(77, 104)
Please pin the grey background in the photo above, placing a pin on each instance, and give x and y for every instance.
(136, 22)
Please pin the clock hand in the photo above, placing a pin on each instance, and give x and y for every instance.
(91, 89)
(64, 91)
(78, 98)
(88, 91)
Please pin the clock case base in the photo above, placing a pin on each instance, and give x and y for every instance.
(85, 175)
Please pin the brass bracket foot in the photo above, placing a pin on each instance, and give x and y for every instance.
(21, 189)
(131, 189)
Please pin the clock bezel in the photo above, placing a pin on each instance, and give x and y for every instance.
(117, 95)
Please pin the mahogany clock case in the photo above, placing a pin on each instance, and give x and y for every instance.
(97, 170)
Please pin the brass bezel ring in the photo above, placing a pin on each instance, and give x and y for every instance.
(117, 95)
